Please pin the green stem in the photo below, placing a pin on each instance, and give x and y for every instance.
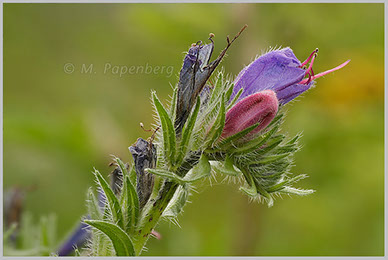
(154, 208)
(151, 214)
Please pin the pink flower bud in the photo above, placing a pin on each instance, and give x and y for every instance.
(260, 108)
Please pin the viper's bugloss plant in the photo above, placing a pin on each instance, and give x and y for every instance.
(258, 108)
(229, 127)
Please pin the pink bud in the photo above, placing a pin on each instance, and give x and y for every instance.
(260, 108)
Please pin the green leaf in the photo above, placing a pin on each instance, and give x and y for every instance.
(123, 197)
(265, 194)
(165, 174)
(187, 132)
(199, 171)
(276, 121)
(113, 202)
(93, 206)
(169, 138)
(271, 144)
(236, 97)
(251, 191)
(216, 129)
(295, 139)
(172, 110)
(121, 165)
(255, 189)
(295, 191)
(254, 144)
(290, 148)
(272, 176)
(228, 164)
(289, 181)
(217, 90)
(132, 175)
(229, 92)
(130, 205)
(120, 240)
(129, 199)
(227, 142)
(226, 168)
(268, 159)
(177, 202)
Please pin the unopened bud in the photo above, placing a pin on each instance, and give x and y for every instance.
(260, 108)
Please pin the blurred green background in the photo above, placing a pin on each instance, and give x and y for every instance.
(58, 125)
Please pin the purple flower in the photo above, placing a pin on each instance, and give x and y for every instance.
(81, 233)
(79, 236)
(257, 108)
(281, 72)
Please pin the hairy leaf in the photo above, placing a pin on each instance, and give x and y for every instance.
(120, 240)
(217, 127)
(217, 90)
(226, 168)
(172, 110)
(169, 138)
(229, 92)
(130, 205)
(227, 142)
(177, 202)
(201, 170)
(93, 206)
(187, 132)
(254, 144)
(234, 101)
(295, 191)
(113, 202)
(268, 159)
(286, 182)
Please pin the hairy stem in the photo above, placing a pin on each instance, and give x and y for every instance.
(154, 208)
(151, 214)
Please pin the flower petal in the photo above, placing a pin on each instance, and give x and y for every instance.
(287, 94)
(275, 70)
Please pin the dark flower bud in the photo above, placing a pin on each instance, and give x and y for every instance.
(196, 70)
(144, 156)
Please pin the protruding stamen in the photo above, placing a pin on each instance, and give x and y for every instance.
(151, 139)
(309, 58)
(310, 68)
(305, 81)
(142, 127)
(309, 78)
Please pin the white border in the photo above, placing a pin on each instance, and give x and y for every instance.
(197, 1)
